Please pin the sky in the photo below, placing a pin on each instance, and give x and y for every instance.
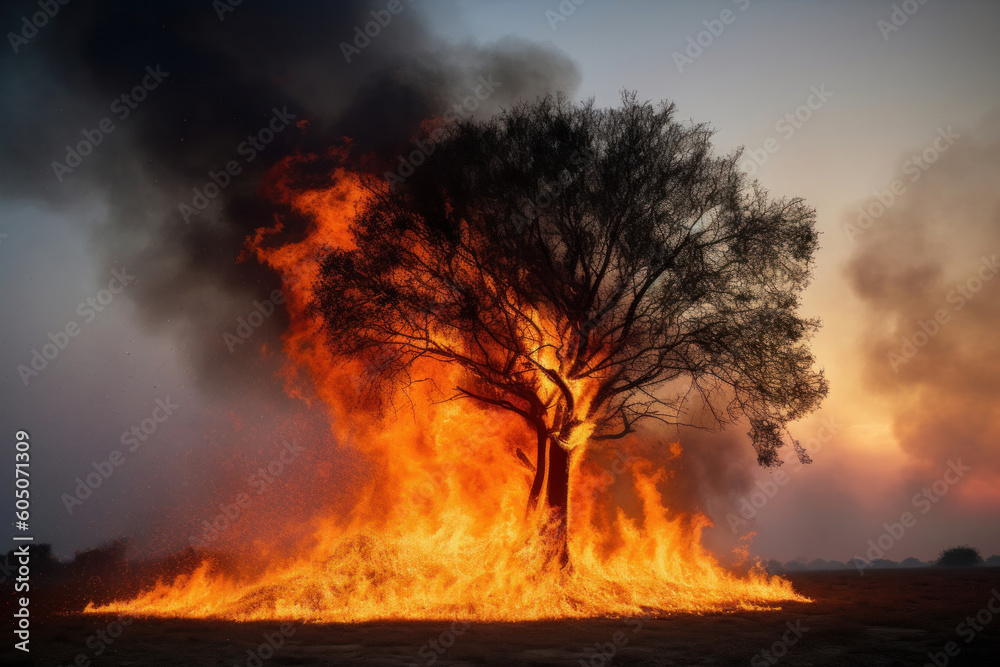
(900, 119)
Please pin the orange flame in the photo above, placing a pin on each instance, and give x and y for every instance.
(439, 530)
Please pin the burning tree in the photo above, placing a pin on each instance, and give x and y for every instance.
(589, 269)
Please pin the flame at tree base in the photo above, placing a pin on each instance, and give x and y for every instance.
(420, 546)
(459, 575)
(439, 530)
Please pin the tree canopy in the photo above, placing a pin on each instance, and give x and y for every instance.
(590, 269)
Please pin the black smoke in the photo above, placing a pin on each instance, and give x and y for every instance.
(224, 73)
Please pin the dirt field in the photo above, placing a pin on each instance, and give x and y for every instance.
(888, 617)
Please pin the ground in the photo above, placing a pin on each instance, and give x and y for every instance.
(886, 617)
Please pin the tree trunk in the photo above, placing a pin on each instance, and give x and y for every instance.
(557, 489)
(557, 499)
(552, 476)
(540, 467)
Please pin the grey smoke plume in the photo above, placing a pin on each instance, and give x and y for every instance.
(927, 268)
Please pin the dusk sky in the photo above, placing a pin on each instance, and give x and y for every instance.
(832, 102)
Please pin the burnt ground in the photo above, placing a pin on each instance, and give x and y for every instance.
(887, 617)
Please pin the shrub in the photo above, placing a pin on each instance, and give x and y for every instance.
(960, 556)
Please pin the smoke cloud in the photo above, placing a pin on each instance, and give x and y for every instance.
(242, 89)
(927, 270)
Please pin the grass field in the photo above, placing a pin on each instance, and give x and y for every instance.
(887, 617)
